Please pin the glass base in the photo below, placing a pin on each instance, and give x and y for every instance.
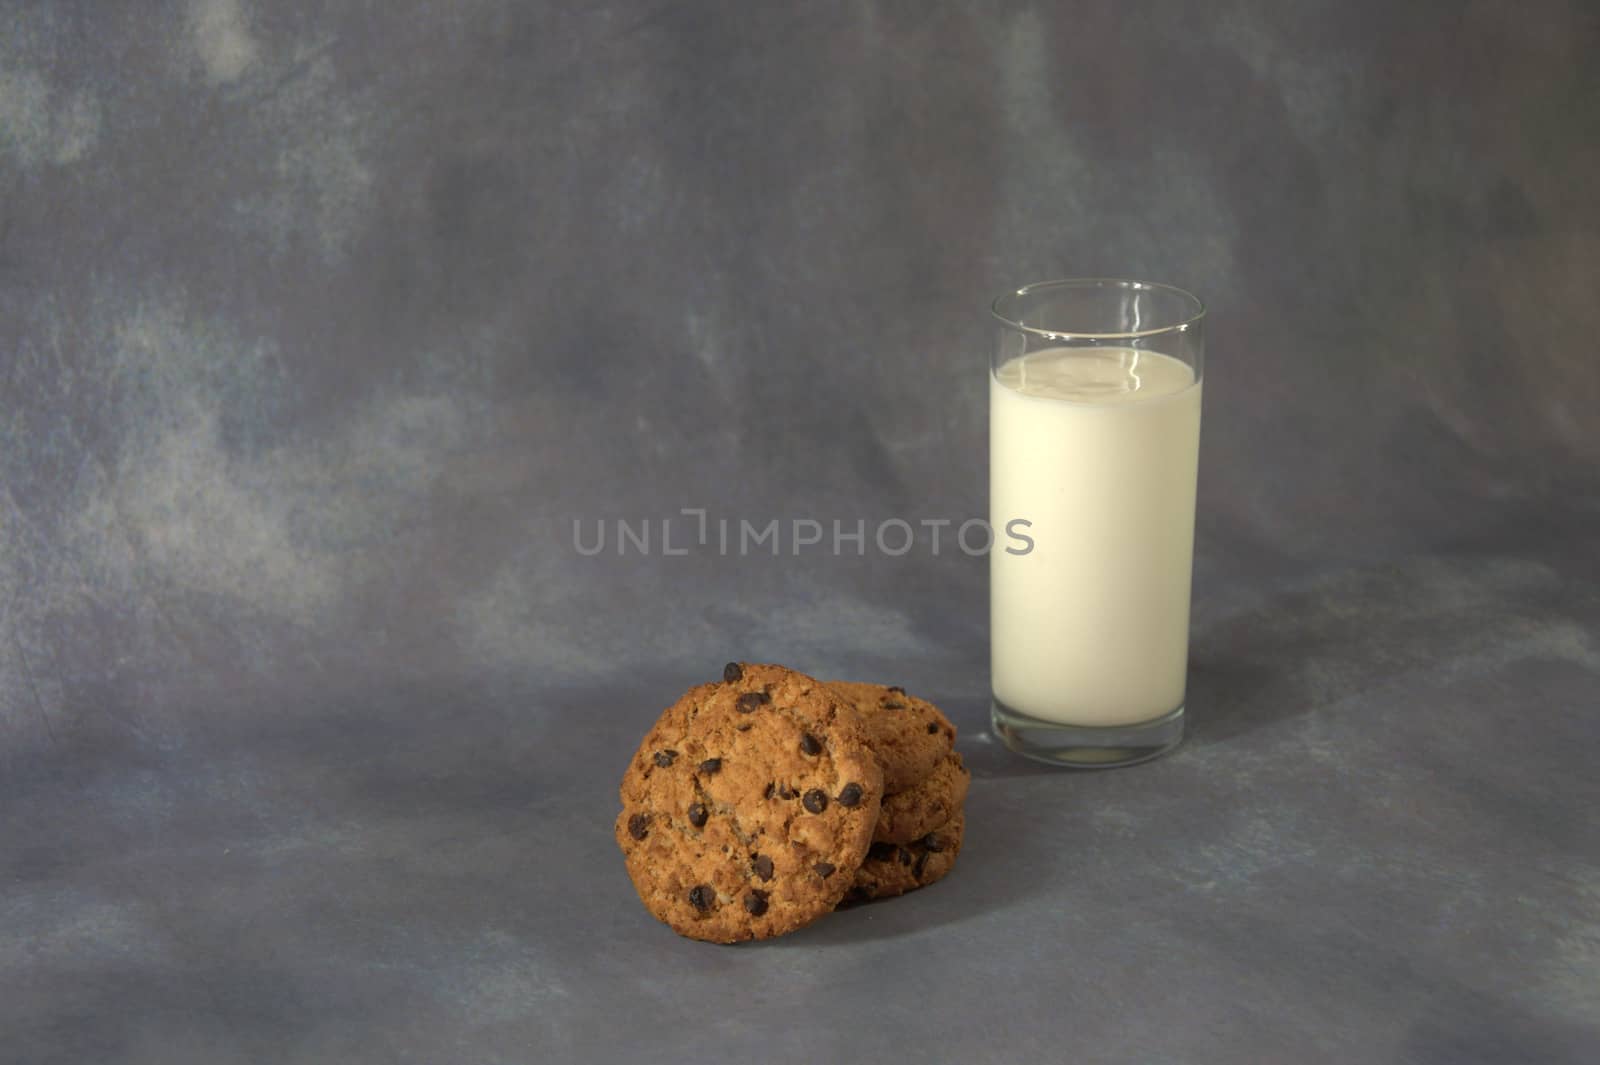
(1085, 746)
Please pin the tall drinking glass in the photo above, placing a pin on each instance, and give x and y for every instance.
(1094, 440)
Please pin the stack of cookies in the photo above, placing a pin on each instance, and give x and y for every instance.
(757, 804)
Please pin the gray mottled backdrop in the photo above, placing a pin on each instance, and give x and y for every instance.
(321, 322)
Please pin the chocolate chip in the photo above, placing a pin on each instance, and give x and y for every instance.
(894, 704)
(881, 852)
(933, 728)
(904, 856)
(732, 672)
(701, 896)
(824, 869)
(850, 796)
(761, 865)
(698, 814)
(664, 758)
(749, 701)
(755, 903)
(815, 800)
(710, 765)
(933, 842)
(768, 793)
(785, 791)
(744, 727)
(809, 744)
(922, 861)
(639, 826)
(897, 688)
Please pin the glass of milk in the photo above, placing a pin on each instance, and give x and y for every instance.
(1094, 440)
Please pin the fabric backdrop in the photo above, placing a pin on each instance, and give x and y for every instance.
(322, 323)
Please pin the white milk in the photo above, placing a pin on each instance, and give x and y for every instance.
(1098, 448)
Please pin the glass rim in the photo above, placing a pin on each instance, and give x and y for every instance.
(1196, 306)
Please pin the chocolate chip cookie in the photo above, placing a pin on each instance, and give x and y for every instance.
(913, 813)
(749, 806)
(909, 735)
(896, 868)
